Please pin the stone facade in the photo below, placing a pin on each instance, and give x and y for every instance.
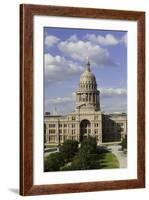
(87, 119)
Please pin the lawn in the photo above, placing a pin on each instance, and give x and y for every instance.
(73, 157)
(104, 161)
(108, 161)
(50, 145)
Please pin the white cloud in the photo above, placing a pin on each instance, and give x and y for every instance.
(106, 40)
(73, 38)
(60, 100)
(113, 107)
(113, 99)
(79, 50)
(58, 68)
(50, 40)
(116, 103)
(62, 105)
(103, 91)
(112, 91)
(124, 40)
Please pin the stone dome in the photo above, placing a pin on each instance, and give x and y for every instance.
(87, 95)
(87, 79)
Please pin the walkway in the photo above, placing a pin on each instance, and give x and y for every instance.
(122, 157)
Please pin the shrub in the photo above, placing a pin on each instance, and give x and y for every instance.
(89, 145)
(84, 161)
(53, 162)
(69, 149)
(102, 149)
(124, 143)
(86, 156)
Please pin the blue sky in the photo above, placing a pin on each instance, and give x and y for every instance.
(65, 53)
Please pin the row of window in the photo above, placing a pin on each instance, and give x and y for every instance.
(87, 98)
(61, 138)
(65, 125)
(60, 125)
(88, 86)
(52, 131)
(53, 139)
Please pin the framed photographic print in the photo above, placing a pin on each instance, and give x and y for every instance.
(82, 99)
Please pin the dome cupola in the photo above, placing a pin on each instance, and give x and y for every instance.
(87, 79)
(87, 95)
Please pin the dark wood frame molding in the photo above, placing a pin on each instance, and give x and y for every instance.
(27, 13)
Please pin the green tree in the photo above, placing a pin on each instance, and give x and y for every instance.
(53, 162)
(124, 143)
(89, 145)
(86, 156)
(84, 161)
(69, 149)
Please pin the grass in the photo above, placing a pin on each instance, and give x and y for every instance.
(50, 145)
(108, 161)
(104, 161)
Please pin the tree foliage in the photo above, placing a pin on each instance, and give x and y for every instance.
(70, 157)
(53, 162)
(86, 156)
(69, 149)
(89, 145)
(124, 143)
(84, 161)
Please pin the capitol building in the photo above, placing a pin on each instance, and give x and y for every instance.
(87, 118)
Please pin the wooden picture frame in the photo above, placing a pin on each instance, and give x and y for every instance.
(27, 12)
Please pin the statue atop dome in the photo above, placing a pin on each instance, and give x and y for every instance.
(88, 64)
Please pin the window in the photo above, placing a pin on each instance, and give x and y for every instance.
(65, 131)
(65, 125)
(60, 125)
(52, 131)
(96, 124)
(65, 137)
(73, 125)
(60, 131)
(73, 118)
(52, 139)
(120, 124)
(51, 125)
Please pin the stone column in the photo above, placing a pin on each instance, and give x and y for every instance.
(78, 131)
(47, 134)
(67, 130)
(57, 132)
(96, 99)
(92, 97)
